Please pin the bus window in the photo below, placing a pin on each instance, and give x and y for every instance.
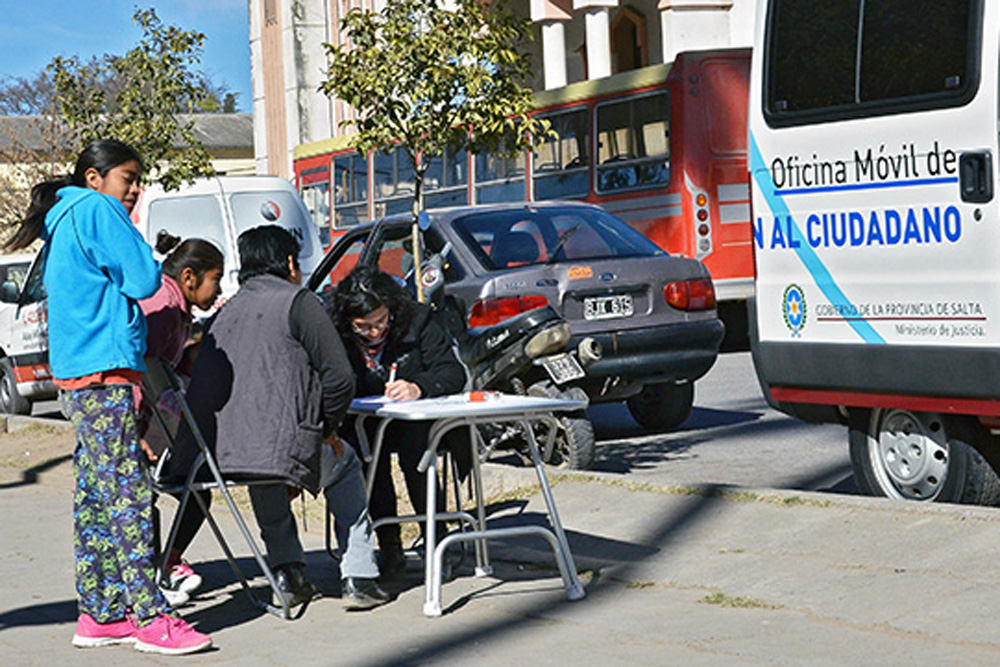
(633, 142)
(446, 182)
(561, 165)
(499, 179)
(350, 190)
(314, 184)
(393, 181)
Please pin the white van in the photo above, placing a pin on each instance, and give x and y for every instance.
(219, 208)
(873, 165)
(24, 342)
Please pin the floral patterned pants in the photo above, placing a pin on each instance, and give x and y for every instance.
(112, 507)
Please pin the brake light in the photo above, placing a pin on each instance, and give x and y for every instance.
(493, 311)
(690, 294)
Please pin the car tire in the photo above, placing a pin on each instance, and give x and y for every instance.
(919, 456)
(11, 402)
(662, 406)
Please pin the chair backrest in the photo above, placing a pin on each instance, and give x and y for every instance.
(516, 248)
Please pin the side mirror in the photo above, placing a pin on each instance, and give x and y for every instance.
(9, 292)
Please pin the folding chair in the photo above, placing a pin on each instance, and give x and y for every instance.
(205, 476)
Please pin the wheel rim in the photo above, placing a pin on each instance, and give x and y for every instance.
(910, 456)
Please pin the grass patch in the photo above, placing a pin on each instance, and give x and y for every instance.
(723, 600)
(640, 584)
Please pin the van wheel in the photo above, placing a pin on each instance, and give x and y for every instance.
(11, 402)
(663, 406)
(919, 456)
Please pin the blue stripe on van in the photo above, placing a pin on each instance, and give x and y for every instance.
(820, 274)
(869, 186)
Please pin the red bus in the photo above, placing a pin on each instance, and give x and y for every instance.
(662, 147)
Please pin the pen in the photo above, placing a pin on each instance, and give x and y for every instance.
(392, 373)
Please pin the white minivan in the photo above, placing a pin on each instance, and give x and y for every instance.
(874, 171)
(216, 209)
(220, 208)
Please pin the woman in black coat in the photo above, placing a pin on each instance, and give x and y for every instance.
(382, 326)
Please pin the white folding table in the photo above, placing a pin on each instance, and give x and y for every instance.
(461, 410)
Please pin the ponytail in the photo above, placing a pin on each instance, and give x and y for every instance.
(199, 255)
(43, 197)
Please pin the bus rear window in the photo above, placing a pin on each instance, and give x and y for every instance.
(843, 58)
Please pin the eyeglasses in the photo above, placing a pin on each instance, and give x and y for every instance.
(361, 327)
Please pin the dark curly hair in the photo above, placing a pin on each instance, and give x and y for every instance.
(366, 289)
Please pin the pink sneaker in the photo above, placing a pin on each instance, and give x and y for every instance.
(183, 578)
(90, 633)
(170, 636)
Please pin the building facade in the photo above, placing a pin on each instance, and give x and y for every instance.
(574, 40)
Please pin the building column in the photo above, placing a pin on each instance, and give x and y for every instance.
(597, 26)
(554, 54)
(693, 24)
(552, 15)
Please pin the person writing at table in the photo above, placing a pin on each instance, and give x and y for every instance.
(396, 349)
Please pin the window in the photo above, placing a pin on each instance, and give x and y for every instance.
(561, 167)
(393, 182)
(511, 239)
(843, 58)
(314, 185)
(499, 179)
(350, 190)
(188, 217)
(446, 182)
(633, 142)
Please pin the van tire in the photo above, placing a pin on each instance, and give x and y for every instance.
(919, 456)
(663, 406)
(11, 402)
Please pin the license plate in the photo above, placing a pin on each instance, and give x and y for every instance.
(608, 307)
(561, 367)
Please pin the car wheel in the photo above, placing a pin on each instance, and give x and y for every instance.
(662, 406)
(916, 456)
(11, 402)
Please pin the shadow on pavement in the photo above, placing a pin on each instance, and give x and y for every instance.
(30, 476)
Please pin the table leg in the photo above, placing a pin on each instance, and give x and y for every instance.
(483, 567)
(574, 590)
(432, 592)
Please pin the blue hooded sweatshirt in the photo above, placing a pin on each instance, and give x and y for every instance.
(97, 270)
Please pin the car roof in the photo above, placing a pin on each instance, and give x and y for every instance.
(450, 213)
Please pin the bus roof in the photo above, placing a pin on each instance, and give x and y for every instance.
(331, 145)
(583, 90)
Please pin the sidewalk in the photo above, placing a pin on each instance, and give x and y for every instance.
(675, 576)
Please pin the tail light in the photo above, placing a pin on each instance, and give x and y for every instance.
(493, 311)
(690, 294)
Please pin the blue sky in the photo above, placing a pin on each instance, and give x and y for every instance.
(32, 32)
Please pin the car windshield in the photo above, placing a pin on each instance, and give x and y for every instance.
(526, 236)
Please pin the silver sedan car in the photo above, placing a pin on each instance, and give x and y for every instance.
(653, 313)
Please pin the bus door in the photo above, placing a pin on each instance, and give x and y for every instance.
(714, 159)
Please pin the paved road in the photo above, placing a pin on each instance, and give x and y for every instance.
(732, 438)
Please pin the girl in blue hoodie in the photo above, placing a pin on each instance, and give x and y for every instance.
(97, 268)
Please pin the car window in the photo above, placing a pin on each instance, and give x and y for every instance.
(522, 237)
(15, 273)
(273, 207)
(188, 217)
(345, 259)
(34, 288)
